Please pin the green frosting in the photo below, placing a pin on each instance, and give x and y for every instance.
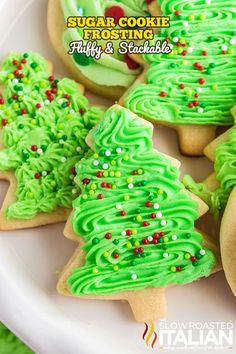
(10, 344)
(135, 218)
(43, 135)
(195, 84)
(110, 70)
(225, 168)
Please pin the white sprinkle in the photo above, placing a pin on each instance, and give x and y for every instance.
(224, 47)
(159, 215)
(118, 150)
(163, 222)
(134, 276)
(78, 149)
(175, 39)
(107, 153)
(96, 162)
(74, 191)
(63, 159)
(123, 233)
(208, 2)
(202, 252)
(118, 206)
(20, 93)
(200, 110)
(156, 206)
(46, 102)
(72, 111)
(185, 23)
(199, 89)
(232, 41)
(39, 151)
(174, 237)
(105, 166)
(165, 254)
(44, 173)
(190, 49)
(150, 238)
(130, 185)
(15, 81)
(60, 101)
(170, 45)
(61, 141)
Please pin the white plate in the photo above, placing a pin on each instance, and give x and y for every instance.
(29, 303)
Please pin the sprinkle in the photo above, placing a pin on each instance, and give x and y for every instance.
(174, 237)
(139, 218)
(163, 222)
(63, 159)
(224, 47)
(134, 276)
(116, 268)
(185, 23)
(199, 89)
(190, 49)
(122, 213)
(175, 39)
(126, 198)
(173, 269)
(159, 215)
(150, 238)
(106, 254)
(40, 151)
(200, 110)
(202, 252)
(118, 150)
(72, 111)
(105, 166)
(156, 206)
(107, 153)
(95, 162)
(95, 270)
(232, 41)
(118, 206)
(118, 174)
(74, 191)
(78, 149)
(61, 142)
(130, 185)
(165, 255)
(46, 102)
(100, 196)
(123, 233)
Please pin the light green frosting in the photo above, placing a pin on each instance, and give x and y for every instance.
(110, 70)
(57, 131)
(201, 34)
(143, 207)
(225, 168)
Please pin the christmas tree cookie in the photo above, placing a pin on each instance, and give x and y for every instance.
(193, 88)
(44, 122)
(134, 221)
(219, 192)
(112, 74)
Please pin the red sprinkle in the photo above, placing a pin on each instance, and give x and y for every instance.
(128, 232)
(145, 241)
(2, 101)
(38, 105)
(24, 61)
(38, 175)
(148, 204)
(135, 172)
(116, 12)
(116, 255)
(141, 249)
(20, 67)
(136, 250)
(122, 213)
(81, 110)
(103, 185)
(4, 122)
(184, 53)
(108, 235)
(161, 233)
(51, 78)
(190, 105)
(178, 268)
(99, 174)
(195, 103)
(163, 94)
(16, 73)
(153, 216)
(145, 223)
(201, 81)
(155, 241)
(177, 13)
(204, 52)
(67, 96)
(193, 258)
(15, 62)
(196, 95)
(182, 86)
(109, 185)
(156, 235)
(86, 181)
(34, 147)
(196, 65)
(23, 111)
(100, 196)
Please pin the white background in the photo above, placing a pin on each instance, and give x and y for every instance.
(29, 259)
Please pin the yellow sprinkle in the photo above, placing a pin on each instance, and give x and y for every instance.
(137, 243)
(140, 171)
(130, 180)
(10, 76)
(126, 198)
(30, 195)
(33, 121)
(202, 17)
(118, 174)
(10, 120)
(126, 157)
(180, 50)
(175, 52)
(187, 256)
(184, 62)
(165, 239)
(112, 174)
(59, 135)
(43, 84)
(134, 231)
(113, 162)
(173, 269)
(93, 186)
(105, 174)
(85, 196)
(160, 191)
(182, 41)
(116, 268)
(15, 106)
(69, 116)
(215, 87)
(7, 113)
(129, 245)
(139, 218)
(191, 17)
(114, 186)
(95, 270)
(20, 98)
(231, 51)
(106, 254)
(171, 54)
(60, 126)
(53, 183)
(91, 192)
(189, 93)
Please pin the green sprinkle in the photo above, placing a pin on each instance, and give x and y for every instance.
(95, 241)
(82, 59)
